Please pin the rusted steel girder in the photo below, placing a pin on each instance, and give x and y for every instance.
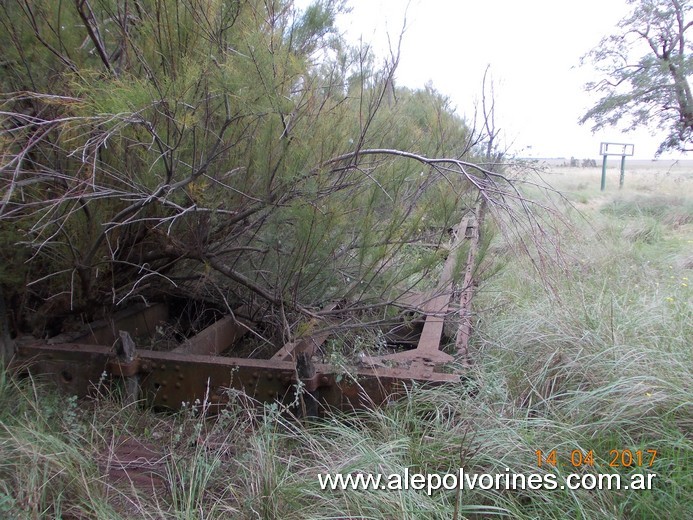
(137, 320)
(218, 337)
(304, 346)
(168, 379)
(464, 331)
(427, 356)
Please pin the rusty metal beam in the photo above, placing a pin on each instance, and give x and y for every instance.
(427, 356)
(464, 331)
(436, 308)
(307, 345)
(219, 336)
(137, 320)
(168, 379)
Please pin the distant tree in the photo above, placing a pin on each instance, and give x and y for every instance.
(646, 67)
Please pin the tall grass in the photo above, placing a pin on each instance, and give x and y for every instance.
(604, 362)
(45, 471)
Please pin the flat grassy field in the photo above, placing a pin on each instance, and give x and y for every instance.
(586, 358)
(643, 177)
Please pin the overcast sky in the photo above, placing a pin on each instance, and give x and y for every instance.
(533, 48)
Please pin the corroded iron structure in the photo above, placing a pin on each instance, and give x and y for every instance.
(195, 370)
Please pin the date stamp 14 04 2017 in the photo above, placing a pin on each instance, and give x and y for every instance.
(616, 458)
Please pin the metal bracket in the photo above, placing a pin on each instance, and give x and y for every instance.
(119, 368)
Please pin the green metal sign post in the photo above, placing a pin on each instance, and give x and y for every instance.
(623, 172)
(622, 149)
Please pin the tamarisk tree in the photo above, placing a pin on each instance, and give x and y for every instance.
(235, 151)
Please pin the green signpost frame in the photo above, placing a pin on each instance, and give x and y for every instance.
(622, 149)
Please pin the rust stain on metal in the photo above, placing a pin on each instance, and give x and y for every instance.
(120, 368)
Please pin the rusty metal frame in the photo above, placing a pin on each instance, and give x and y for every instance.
(194, 370)
(427, 356)
(168, 379)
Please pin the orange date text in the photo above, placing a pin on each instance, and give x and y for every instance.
(578, 458)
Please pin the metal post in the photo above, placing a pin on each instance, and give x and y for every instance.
(623, 171)
(305, 369)
(127, 353)
(604, 172)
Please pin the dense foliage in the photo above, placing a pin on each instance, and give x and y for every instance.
(212, 149)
